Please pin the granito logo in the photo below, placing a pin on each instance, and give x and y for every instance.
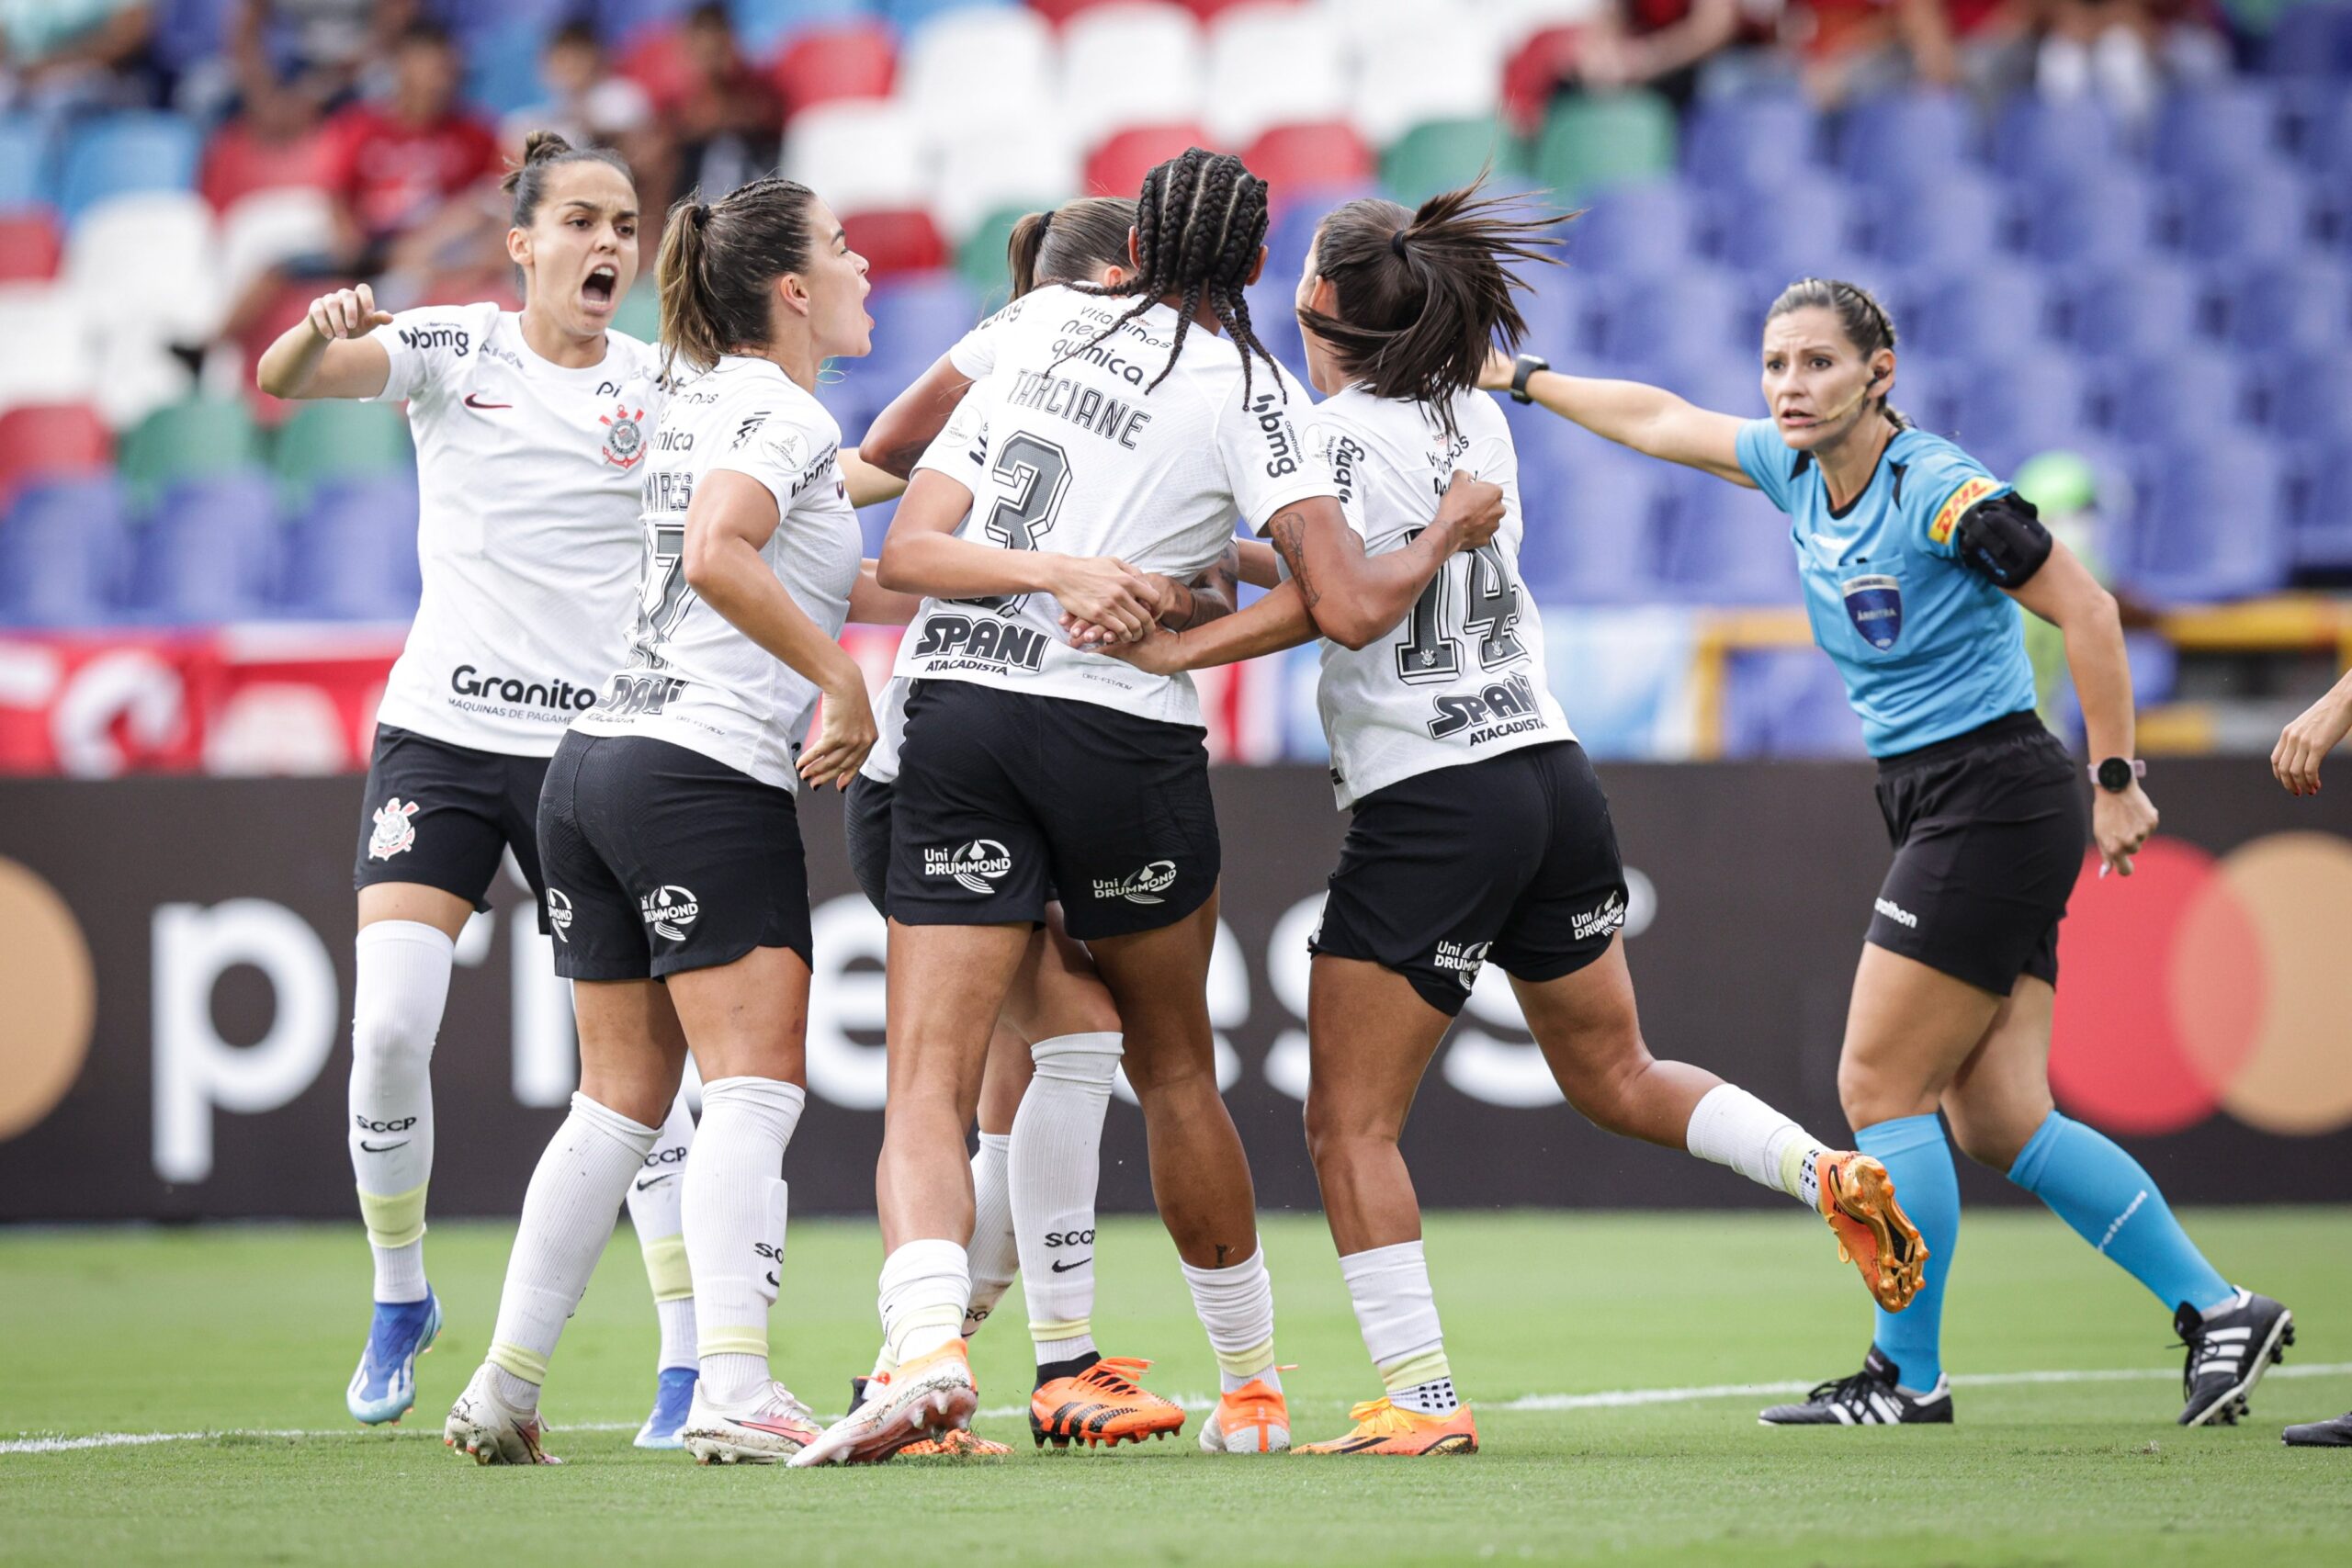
(974, 866)
(394, 831)
(1465, 958)
(421, 338)
(1897, 913)
(669, 909)
(1144, 886)
(560, 914)
(1610, 917)
(960, 642)
(468, 682)
(1282, 440)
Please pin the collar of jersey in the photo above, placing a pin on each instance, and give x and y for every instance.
(538, 364)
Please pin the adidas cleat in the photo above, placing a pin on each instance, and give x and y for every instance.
(2335, 1434)
(674, 1396)
(1253, 1419)
(384, 1388)
(930, 1393)
(771, 1425)
(1873, 1233)
(1101, 1406)
(955, 1443)
(1382, 1428)
(1871, 1397)
(488, 1430)
(2228, 1353)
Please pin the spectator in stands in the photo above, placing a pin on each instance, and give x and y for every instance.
(319, 48)
(2122, 50)
(1659, 44)
(1850, 48)
(65, 54)
(274, 139)
(587, 105)
(724, 119)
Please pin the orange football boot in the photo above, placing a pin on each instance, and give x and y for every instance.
(1873, 1233)
(1382, 1428)
(956, 1442)
(1103, 1404)
(1253, 1419)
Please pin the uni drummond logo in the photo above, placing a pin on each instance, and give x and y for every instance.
(52, 998)
(975, 866)
(669, 909)
(2202, 983)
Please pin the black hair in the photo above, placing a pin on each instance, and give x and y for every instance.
(1422, 296)
(575, 33)
(424, 31)
(1070, 243)
(544, 151)
(1860, 316)
(1200, 225)
(718, 261)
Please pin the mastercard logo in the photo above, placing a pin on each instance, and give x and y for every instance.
(2203, 984)
(46, 975)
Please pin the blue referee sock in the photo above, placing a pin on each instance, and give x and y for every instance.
(1914, 1151)
(2114, 1204)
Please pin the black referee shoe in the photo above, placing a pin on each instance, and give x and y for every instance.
(2228, 1352)
(1869, 1398)
(2335, 1434)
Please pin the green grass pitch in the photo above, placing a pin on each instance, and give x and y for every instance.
(249, 1333)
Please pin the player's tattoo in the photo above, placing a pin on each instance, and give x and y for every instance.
(1221, 1250)
(1288, 532)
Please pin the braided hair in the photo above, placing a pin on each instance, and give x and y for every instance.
(1200, 226)
(1860, 316)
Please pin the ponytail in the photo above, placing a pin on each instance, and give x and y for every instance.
(1070, 243)
(718, 265)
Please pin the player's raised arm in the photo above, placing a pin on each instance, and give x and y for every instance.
(330, 352)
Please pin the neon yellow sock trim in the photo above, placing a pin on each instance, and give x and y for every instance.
(1412, 1372)
(524, 1364)
(396, 1220)
(928, 1327)
(665, 1267)
(1069, 1329)
(741, 1341)
(1247, 1364)
(1793, 1160)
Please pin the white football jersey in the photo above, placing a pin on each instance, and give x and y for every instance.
(1462, 679)
(691, 678)
(1079, 459)
(959, 450)
(528, 476)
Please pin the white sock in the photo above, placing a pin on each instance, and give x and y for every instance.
(402, 985)
(569, 1211)
(993, 1256)
(1236, 1306)
(656, 1205)
(1398, 1313)
(926, 1285)
(1056, 1166)
(734, 1207)
(1731, 1126)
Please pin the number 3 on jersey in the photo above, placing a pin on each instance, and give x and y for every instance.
(1430, 651)
(1035, 475)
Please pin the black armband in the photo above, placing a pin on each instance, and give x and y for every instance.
(2004, 538)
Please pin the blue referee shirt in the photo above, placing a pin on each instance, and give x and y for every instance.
(1928, 647)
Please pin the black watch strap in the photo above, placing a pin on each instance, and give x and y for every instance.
(1526, 365)
(2117, 774)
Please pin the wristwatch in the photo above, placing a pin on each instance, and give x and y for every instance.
(2118, 773)
(1526, 365)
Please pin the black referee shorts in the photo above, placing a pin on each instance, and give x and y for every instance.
(1989, 830)
(440, 815)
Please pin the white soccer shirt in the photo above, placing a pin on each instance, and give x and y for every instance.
(691, 678)
(527, 479)
(959, 450)
(1080, 460)
(1462, 679)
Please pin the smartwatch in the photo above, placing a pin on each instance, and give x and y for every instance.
(2118, 773)
(1526, 365)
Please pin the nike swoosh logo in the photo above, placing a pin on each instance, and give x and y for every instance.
(1065, 1268)
(382, 1148)
(473, 400)
(646, 1181)
(774, 1283)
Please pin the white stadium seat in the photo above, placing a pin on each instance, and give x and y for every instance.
(137, 375)
(48, 354)
(1518, 20)
(1272, 65)
(148, 263)
(978, 63)
(1431, 73)
(1130, 65)
(1363, 23)
(1015, 159)
(269, 228)
(859, 155)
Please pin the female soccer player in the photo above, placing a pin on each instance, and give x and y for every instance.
(1913, 556)
(1479, 832)
(1032, 770)
(530, 432)
(667, 825)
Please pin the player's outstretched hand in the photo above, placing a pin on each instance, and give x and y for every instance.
(1473, 505)
(2304, 743)
(348, 312)
(2122, 823)
(846, 733)
(1106, 592)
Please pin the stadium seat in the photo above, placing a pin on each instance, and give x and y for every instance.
(1559, 311)
(27, 167)
(2213, 523)
(981, 256)
(333, 439)
(1269, 66)
(916, 318)
(2036, 396)
(209, 552)
(503, 67)
(197, 439)
(912, 16)
(2214, 130)
(147, 263)
(1992, 309)
(238, 163)
(1118, 166)
(2179, 394)
(2308, 397)
(2105, 214)
(618, 22)
(2304, 301)
(1447, 69)
(2258, 212)
(62, 552)
(1791, 231)
(1060, 11)
(1441, 155)
(1786, 702)
(1643, 229)
(1697, 311)
(1749, 143)
(1590, 512)
(2133, 309)
(1289, 235)
(2319, 528)
(640, 314)
(1595, 139)
(1024, 159)
(42, 440)
(190, 32)
(122, 153)
(854, 58)
(49, 352)
(2037, 138)
(1966, 219)
(270, 227)
(895, 241)
(982, 64)
(1726, 544)
(1274, 317)
(1131, 64)
(1912, 139)
(1306, 163)
(352, 555)
(862, 154)
(2311, 39)
(28, 246)
(764, 26)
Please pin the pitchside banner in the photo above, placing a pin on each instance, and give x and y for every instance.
(176, 986)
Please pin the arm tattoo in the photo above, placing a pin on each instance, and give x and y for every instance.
(1288, 532)
(1210, 596)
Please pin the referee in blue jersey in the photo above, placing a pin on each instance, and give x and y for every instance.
(1914, 559)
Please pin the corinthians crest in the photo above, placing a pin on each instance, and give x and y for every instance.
(624, 436)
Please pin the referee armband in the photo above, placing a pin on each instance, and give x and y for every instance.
(2002, 539)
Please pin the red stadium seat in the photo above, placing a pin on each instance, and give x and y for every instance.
(896, 241)
(656, 61)
(1118, 166)
(45, 440)
(854, 60)
(237, 164)
(29, 247)
(1297, 159)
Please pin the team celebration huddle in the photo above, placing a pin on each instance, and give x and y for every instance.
(668, 533)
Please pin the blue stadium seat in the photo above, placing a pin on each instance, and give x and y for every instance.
(2303, 303)
(1558, 310)
(2307, 397)
(2260, 212)
(1694, 312)
(617, 20)
(1273, 316)
(1787, 701)
(188, 32)
(908, 15)
(1966, 219)
(1927, 390)
(2131, 308)
(2319, 527)
(134, 151)
(2311, 39)
(1992, 309)
(469, 21)
(2098, 215)
(1726, 544)
(764, 26)
(61, 553)
(1749, 143)
(917, 317)
(1788, 232)
(25, 162)
(209, 553)
(2031, 398)
(1641, 228)
(2037, 138)
(2214, 130)
(2180, 394)
(353, 556)
(2213, 524)
(503, 67)
(1590, 513)
(1912, 139)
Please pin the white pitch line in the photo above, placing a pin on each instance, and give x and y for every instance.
(1612, 1399)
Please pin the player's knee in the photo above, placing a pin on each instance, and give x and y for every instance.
(1992, 1135)
(1870, 1094)
(1335, 1130)
(392, 1039)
